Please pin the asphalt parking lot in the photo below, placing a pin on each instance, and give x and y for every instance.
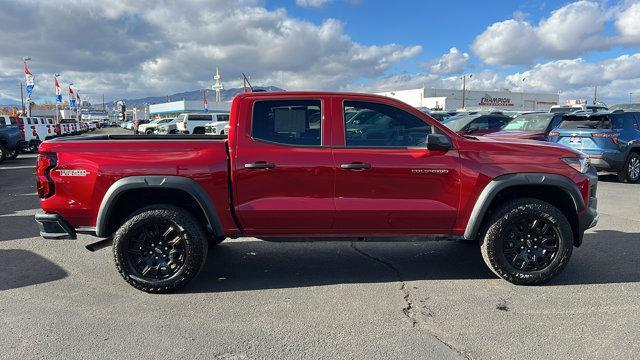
(259, 300)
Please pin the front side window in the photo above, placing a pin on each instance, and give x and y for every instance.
(370, 124)
(290, 122)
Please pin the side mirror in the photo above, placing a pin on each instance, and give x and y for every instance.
(438, 142)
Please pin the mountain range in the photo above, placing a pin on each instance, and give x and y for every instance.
(227, 94)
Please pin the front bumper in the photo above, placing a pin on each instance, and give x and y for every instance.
(588, 217)
(54, 227)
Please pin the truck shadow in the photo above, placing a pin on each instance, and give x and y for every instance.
(605, 257)
(20, 268)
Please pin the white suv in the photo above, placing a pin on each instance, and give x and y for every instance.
(195, 123)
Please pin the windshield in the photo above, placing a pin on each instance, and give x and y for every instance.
(457, 123)
(529, 123)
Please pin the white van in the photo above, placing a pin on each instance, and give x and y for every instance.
(188, 123)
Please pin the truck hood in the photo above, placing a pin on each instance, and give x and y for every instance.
(513, 144)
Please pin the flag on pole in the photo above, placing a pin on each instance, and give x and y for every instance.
(72, 98)
(56, 84)
(29, 79)
(206, 105)
(78, 103)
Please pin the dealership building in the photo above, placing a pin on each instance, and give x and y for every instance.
(451, 100)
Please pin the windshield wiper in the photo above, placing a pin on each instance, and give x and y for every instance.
(469, 137)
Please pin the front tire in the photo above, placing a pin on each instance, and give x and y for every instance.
(631, 171)
(527, 242)
(160, 249)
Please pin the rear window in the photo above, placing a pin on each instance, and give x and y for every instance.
(586, 122)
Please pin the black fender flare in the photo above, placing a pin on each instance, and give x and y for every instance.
(158, 182)
(506, 181)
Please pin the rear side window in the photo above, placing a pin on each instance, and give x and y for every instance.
(222, 117)
(290, 122)
(618, 122)
(200, 118)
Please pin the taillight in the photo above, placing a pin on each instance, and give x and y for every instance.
(554, 133)
(58, 129)
(33, 131)
(44, 184)
(612, 136)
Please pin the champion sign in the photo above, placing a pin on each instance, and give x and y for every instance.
(487, 100)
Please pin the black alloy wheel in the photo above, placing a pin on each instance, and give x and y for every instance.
(160, 248)
(157, 251)
(531, 243)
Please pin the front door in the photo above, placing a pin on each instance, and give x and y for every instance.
(283, 173)
(387, 181)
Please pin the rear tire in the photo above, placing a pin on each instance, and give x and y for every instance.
(160, 248)
(631, 171)
(527, 242)
(148, 132)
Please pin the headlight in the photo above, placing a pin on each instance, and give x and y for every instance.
(580, 164)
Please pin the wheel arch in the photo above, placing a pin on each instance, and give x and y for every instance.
(154, 189)
(557, 190)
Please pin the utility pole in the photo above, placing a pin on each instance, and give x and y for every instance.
(595, 94)
(464, 88)
(103, 108)
(22, 98)
(630, 97)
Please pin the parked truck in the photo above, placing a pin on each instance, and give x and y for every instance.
(294, 167)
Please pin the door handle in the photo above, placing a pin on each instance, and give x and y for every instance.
(260, 165)
(355, 166)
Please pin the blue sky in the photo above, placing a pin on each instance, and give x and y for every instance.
(435, 25)
(139, 48)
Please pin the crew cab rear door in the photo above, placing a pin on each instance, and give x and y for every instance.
(282, 172)
(387, 181)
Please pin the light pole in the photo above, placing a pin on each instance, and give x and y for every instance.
(22, 98)
(630, 97)
(55, 76)
(24, 60)
(464, 87)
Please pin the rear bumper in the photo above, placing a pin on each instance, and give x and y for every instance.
(607, 161)
(53, 226)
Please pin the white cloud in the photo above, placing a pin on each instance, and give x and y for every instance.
(572, 30)
(127, 48)
(312, 3)
(452, 62)
(628, 24)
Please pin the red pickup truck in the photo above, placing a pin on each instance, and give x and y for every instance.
(319, 165)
